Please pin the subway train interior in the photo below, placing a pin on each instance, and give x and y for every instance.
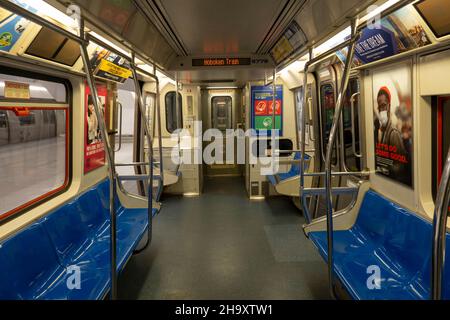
(224, 150)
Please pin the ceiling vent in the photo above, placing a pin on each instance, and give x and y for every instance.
(155, 14)
(284, 18)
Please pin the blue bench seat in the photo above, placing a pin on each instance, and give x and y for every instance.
(389, 237)
(36, 262)
(293, 172)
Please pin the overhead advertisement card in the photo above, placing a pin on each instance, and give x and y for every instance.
(292, 39)
(17, 90)
(263, 109)
(110, 66)
(94, 155)
(12, 26)
(393, 123)
(399, 32)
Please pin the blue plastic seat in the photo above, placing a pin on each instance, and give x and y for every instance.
(35, 262)
(389, 237)
(293, 172)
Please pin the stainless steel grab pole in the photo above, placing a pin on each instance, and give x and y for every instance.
(158, 113)
(147, 132)
(119, 105)
(302, 123)
(440, 232)
(331, 142)
(352, 106)
(274, 102)
(110, 158)
(310, 118)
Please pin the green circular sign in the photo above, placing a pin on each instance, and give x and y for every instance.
(6, 39)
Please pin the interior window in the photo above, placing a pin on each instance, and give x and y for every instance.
(171, 112)
(34, 150)
(222, 113)
(328, 105)
(352, 162)
(31, 89)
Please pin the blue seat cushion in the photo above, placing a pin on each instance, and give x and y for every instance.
(74, 235)
(28, 265)
(389, 237)
(293, 172)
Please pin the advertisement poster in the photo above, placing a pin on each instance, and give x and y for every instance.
(13, 26)
(292, 39)
(94, 156)
(397, 33)
(393, 123)
(262, 108)
(109, 66)
(11, 31)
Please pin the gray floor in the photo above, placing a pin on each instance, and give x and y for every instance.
(223, 246)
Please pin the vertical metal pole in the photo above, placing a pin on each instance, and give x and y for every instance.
(177, 113)
(109, 155)
(274, 102)
(332, 140)
(302, 124)
(158, 114)
(147, 132)
(440, 232)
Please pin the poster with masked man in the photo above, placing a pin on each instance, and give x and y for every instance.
(393, 123)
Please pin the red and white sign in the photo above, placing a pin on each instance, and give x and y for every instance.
(260, 108)
(94, 149)
(278, 108)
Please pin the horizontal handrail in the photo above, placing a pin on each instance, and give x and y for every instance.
(287, 161)
(120, 108)
(291, 151)
(135, 164)
(336, 191)
(137, 177)
(363, 174)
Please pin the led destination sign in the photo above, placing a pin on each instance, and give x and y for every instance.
(221, 62)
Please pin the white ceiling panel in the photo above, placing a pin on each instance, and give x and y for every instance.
(221, 27)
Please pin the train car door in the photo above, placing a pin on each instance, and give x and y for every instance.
(223, 114)
(4, 128)
(442, 138)
(349, 135)
(327, 80)
(312, 142)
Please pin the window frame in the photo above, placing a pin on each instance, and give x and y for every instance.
(428, 22)
(349, 93)
(68, 108)
(231, 111)
(180, 100)
(335, 156)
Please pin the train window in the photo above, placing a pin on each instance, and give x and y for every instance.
(3, 119)
(28, 120)
(442, 136)
(151, 110)
(328, 105)
(34, 151)
(52, 46)
(436, 14)
(172, 123)
(37, 90)
(352, 162)
(221, 113)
